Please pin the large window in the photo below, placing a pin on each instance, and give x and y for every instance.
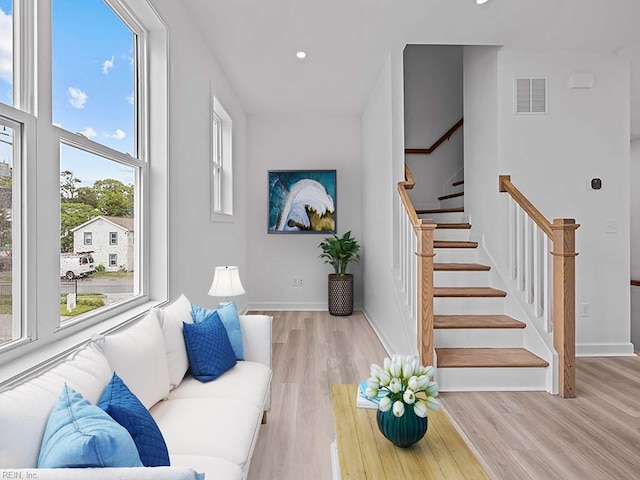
(95, 57)
(11, 325)
(77, 163)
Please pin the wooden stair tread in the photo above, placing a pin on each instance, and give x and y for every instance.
(454, 244)
(442, 210)
(468, 292)
(459, 182)
(454, 225)
(451, 195)
(476, 321)
(487, 357)
(460, 267)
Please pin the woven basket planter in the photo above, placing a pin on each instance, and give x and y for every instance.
(341, 294)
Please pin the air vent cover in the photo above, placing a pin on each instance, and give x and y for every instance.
(531, 95)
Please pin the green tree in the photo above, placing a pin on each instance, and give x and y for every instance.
(114, 198)
(68, 185)
(73, 214)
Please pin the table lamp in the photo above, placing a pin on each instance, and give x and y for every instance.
(226, 283)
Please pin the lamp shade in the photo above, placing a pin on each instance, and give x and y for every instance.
(226, 282)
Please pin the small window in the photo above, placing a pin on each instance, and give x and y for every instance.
(113, 260)
(88, 238)
(221, 161)
(113, 238)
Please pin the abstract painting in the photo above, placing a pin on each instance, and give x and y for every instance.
(302, 201)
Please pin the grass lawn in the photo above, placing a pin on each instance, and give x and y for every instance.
(85, 302)
(111, 274)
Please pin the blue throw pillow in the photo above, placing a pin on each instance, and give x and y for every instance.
(208, 348)
(80, 434)
(229, 316)
(125, 408)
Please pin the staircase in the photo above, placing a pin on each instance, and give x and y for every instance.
(477, 346)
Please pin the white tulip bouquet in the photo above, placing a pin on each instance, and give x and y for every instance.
(403, 381)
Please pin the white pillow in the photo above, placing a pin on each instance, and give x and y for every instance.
(139, 358)
(172, 317)
(25, 409)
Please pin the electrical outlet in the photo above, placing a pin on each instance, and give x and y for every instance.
(584, 309)
(611, 226)
(294, 282)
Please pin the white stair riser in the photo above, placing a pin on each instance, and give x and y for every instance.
(452, 202)
(478, 337)
(491, 379)
(449, 217)
(468, 306)
(455, 255)
(461, 278)
(452, 234)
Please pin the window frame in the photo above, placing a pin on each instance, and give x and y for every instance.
(44, 340)
(113, 238)
(87, 238)
(221, 162)
(113, 259)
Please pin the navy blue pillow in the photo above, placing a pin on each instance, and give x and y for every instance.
(208, 348)
(125, 408)
(229, 317)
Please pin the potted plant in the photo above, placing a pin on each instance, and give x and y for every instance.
(339, 252)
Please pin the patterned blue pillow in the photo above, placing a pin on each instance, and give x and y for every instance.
(208, 348)
(125, 408)
(79, 434)
(229, 316)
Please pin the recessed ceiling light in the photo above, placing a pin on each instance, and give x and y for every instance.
(301, 54)
(480, 2)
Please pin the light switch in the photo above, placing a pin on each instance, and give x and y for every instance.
(611, 226)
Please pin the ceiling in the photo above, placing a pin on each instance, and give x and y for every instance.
(348, 40)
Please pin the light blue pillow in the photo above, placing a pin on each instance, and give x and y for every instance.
(208, 348)
(80, 434)
(125, 408)
(231, 321)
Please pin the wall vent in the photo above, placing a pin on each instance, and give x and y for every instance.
(530, 95)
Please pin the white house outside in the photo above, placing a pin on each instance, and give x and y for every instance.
(110, 239)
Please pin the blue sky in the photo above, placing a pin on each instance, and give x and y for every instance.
(93, 82)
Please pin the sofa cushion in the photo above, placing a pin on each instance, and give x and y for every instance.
(213, 427)
(79, 434)
(213, 468)
(123, 406)
(247, 381)
(139, 358)
(208, 348)
(229, 316)
(171, 318)
(24, 409)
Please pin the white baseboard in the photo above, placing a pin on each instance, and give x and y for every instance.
(605, 350)
(381, 337)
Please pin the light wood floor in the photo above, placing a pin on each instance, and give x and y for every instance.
(518, 435)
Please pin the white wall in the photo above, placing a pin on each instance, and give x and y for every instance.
(378, 194)
(300, 143)
(551, 159)
(197, 245)
(635, 242)
(433, 104)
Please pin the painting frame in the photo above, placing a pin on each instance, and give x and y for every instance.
(302, 201)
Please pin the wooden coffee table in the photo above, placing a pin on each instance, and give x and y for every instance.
(364, 453)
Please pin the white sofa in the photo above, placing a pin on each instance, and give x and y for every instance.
(209, 428)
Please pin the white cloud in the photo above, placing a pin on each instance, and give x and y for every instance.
(89, 132)
(119, 135)
(107, 65)
(6, 46)
(130, 99)
(77, 98)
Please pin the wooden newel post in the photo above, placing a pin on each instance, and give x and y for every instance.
(564, 303)
(425, 254)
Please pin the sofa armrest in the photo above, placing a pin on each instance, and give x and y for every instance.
(256, 338)
(136, 473)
